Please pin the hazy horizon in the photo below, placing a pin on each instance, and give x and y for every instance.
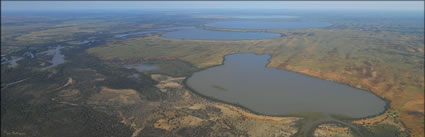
(134, 5)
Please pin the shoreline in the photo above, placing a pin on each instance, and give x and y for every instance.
(185, 84)
(386, 107)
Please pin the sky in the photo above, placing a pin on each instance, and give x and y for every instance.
(117, 5)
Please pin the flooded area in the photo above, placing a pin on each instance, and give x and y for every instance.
(245, 80)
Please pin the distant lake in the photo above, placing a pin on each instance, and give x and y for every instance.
(264, 24)
(201, 34)
(244, 79)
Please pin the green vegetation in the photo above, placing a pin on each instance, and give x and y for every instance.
(175, 68)
(380, 130)
(36, 105)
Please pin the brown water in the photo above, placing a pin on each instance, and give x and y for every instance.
(245, 80)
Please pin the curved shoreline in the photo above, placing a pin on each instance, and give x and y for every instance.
(386, 107)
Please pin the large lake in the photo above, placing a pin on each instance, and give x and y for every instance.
(201, 34)
(264, 24)
(244, 79)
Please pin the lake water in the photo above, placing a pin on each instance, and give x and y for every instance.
(193, 33)
(264, 24)
(244, 79)
(58, 57)
(201, 34)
